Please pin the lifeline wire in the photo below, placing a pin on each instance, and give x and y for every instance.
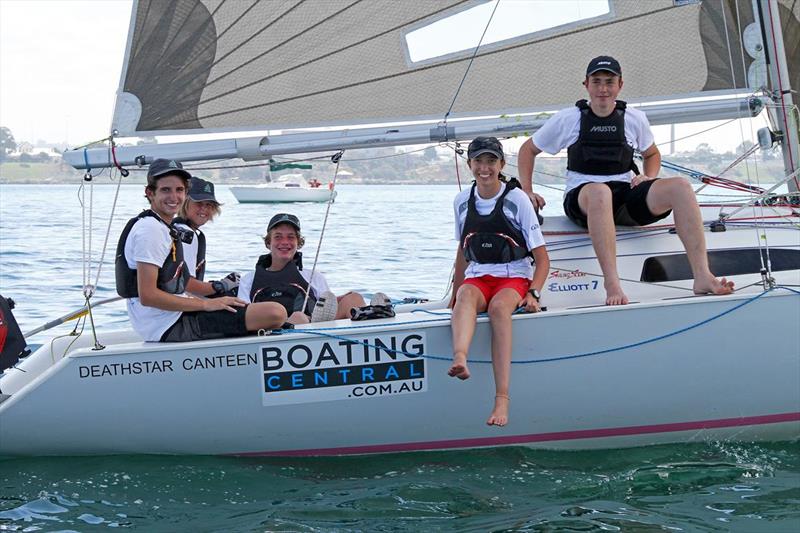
(321, 332)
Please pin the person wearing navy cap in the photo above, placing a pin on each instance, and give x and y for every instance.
(498, 234)
(152, 275)
(279, 276)
(605, 187)
(201, 206)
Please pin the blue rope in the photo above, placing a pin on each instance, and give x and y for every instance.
(86, 161)
(321, 333)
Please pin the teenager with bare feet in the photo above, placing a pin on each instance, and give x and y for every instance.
(498, 233)
(279, 277)
(604, 186)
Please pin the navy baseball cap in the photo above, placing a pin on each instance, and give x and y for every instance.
(201, 190)
(161, 167)
(606, 63)
(485, 145)
(284, 218)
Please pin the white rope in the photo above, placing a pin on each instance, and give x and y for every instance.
(338, 158)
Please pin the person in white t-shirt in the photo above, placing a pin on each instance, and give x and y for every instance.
(498, 233)
(604, 186)
(279, 276)
(201, 206)
(151, 274)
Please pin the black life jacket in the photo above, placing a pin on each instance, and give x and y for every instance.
(172, 276)
(286, 286)
(12, 342)
(200, 269)
(601, 148)
(492, 238)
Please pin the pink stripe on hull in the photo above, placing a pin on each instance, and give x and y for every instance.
(536, 437)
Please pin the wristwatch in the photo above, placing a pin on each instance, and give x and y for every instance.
(535, 293)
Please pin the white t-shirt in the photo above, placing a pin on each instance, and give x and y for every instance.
(562, 130)
(319, 285)
(149, 242)
(519, 211)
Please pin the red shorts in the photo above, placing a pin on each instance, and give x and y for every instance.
(491, 285)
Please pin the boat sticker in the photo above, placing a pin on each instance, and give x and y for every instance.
(334, 369)
(570, 281)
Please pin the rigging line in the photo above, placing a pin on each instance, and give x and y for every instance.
(337, 159)
(471, 60)
(321, 332)
(105, 241)
(180, 123)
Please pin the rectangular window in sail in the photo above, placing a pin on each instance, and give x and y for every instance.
(461, 32)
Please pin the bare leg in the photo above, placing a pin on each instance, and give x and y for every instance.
(264, 315)
(469, 302)
(595, 200)
(347, 302)
(677, 194)
(500, 309)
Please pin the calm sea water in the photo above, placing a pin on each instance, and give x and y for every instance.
(397, 239)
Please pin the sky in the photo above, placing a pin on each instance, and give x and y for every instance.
(60, 63)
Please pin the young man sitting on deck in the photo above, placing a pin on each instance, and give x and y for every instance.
(600, 136)
(498, 233)
(279, 277)
(201, 206)
(152, 275)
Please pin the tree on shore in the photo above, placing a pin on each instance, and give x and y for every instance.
(7, 142)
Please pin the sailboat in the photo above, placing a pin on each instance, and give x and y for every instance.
(669, 367)
(284, 188)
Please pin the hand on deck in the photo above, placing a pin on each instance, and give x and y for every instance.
(530, 304)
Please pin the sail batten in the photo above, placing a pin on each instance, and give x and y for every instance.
(216, 65)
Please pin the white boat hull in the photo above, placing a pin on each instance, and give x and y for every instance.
(271, 194)
(669, 367)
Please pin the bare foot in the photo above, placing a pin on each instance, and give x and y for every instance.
(459, 368)
(499, 416)
(614, 294)
(713, 285)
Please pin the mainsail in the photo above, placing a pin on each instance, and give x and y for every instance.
(224, 65)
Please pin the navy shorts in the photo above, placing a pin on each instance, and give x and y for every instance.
(202, 325)
(629, 204)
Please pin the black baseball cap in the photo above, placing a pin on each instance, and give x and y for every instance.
(606, 63)
(201, 190)
(284, 218)
(485, 145)
(160, 167)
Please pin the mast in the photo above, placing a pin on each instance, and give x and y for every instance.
(767, 13)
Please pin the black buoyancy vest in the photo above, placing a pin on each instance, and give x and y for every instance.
(601, 148)
(286, 286)
(200, 268)
(492, 238)
(172, 276)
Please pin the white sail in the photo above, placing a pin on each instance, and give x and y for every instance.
(210, 65)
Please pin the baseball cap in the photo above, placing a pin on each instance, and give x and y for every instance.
(201, 190)
(160, 167)
(485, 145)
(284, 218)
(606, 63)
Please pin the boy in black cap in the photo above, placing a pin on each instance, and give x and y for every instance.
(201, 206)
(279, 277)
(605, 187)
(498, 233)
(151, 273)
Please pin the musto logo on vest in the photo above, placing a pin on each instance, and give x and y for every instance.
(349, 369)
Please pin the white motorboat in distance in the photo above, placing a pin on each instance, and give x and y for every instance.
(286, 188)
